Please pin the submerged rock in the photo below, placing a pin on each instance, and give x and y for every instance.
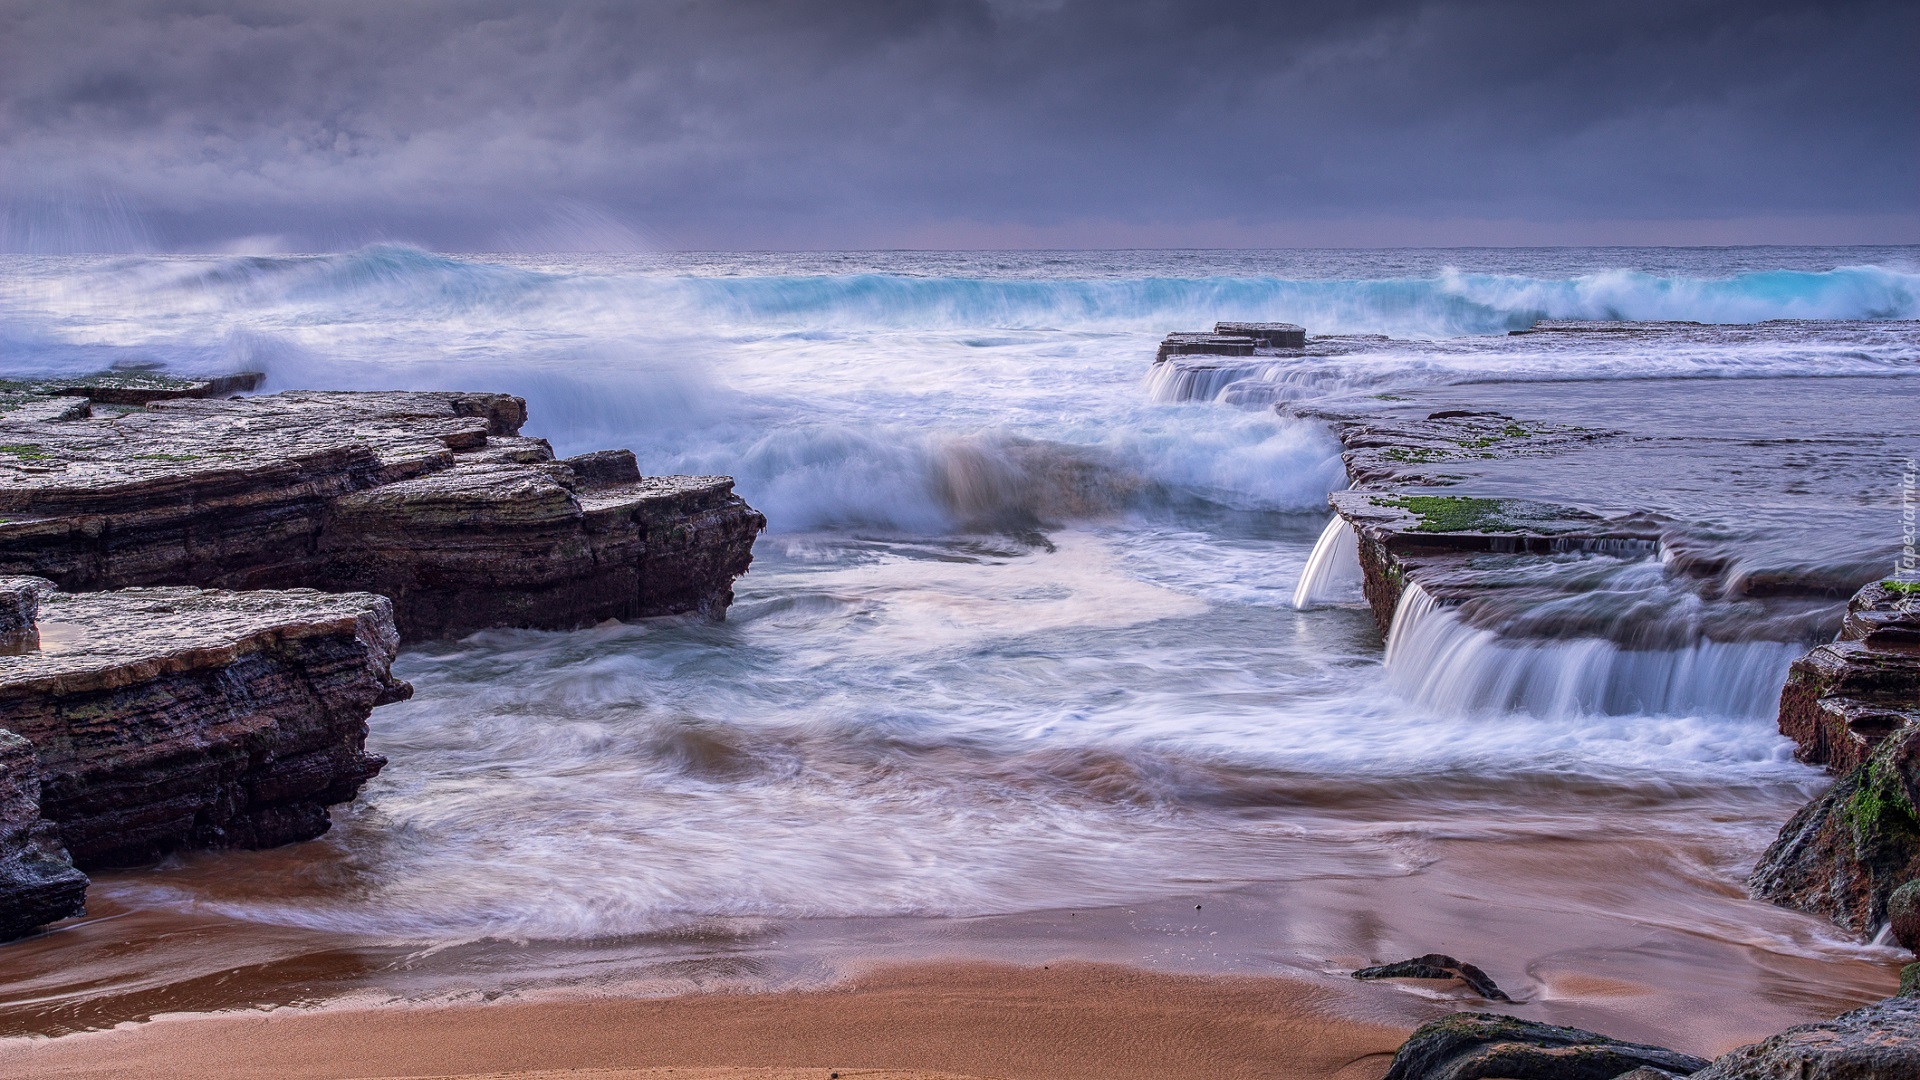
(430, 499)
(1477, 1046)
(38, 883)
(1438, 966)
(163, 718)
(1878, 1042)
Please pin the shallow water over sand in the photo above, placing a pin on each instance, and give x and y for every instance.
(1017, 673)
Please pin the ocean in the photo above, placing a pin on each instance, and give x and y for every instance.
(1020, 639)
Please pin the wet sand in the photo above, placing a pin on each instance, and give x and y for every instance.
(1081, 1020)
(1619, 927)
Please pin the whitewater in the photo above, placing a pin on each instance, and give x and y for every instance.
(1031, 630)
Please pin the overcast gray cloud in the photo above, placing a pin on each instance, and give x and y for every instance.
(487, 123)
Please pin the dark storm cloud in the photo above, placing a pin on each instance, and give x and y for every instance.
(565, 124)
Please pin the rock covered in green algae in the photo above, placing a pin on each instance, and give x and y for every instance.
(1481, 1046)
(1878, 1042)
(1448, 542)
(1843, 855)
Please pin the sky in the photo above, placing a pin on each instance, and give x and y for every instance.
(580, 125)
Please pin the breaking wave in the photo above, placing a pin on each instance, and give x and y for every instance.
(814, 388)
(1446, 303)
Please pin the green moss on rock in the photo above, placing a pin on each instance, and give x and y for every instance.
(1880, 811)
(1453, 513)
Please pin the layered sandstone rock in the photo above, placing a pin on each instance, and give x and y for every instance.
(1234, 339)
(1273, 335)
(38, 883)
(431, 499)
(125, 386)
(162, 718)
(1457, 547)
(1845, 853)
(1843, 698)
(1854, 705)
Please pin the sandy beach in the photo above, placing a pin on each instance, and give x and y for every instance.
(918, 1023)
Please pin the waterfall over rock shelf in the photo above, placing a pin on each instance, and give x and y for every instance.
(1435, 658)
(1332, 574)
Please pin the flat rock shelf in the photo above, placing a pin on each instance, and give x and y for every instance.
(140, 721)
(212, 593)
(1496, 518)
(431, 499)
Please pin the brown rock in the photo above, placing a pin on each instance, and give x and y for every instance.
(1438, 966)
(1843, 855)
(431, 499)
(1854, 705)
(1903, 915)
(1879, 1042)
(1844, 697)
(179, 717)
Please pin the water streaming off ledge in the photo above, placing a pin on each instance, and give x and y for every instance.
(1028, 638)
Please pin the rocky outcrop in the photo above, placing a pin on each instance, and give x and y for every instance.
(1446, 541)
(1903, 916)
(1183, 344)
(1843, 698)
(1472, 1046)
(1843, 855)
(1233, 339)
(1414, 451)
(38, 883)
(430, 499)
(124, 386)
(1451, 543)
(1273, 335)
(163, 718)
(1854, 704)
(1879, 1042)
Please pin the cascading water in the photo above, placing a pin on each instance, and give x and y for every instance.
(1022, 638)
(1333, 570)
(1436, 659)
